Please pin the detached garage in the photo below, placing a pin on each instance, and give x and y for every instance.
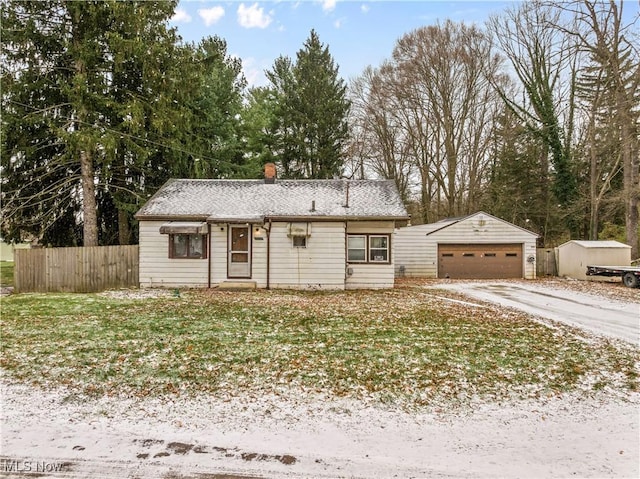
(479, 246)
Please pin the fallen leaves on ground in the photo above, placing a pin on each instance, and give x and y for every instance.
(409, 346)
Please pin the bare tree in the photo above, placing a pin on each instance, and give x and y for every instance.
(601, 148)
(444, 72)
(612, 79)
(429, 113)
(544, 61)
(380, 138)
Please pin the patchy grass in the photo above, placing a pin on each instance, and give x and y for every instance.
(6, 273)
(400, 346)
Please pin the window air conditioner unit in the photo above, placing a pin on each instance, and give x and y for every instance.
(299, 229)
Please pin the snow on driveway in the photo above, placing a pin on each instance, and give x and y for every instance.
(599, 315)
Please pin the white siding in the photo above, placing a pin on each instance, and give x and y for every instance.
(575, 256)
(372, 275)
(218, 253)
(259, 258)
(530, 259)
(156, 269)
(417, 251)
(321, 265)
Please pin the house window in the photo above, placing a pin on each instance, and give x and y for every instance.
(188, 246)
(379, 249)
(357, 249)
(368, 248)
(299, 241)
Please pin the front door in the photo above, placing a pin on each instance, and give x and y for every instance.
(239, 262)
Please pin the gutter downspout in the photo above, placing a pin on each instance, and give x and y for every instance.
(209, 252)
(346, 255)
(269, 255)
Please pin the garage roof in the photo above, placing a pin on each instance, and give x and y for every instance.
(597, 244)
(440, 225)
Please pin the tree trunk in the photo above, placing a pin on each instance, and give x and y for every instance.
(593, 179)
(87, 173)
(594, 219)
(631, 189)
(124, 231)
(424, 198)
(632, 225)
(89, 207)
(630, 162)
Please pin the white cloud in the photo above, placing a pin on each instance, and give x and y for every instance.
(211, 15)
(338, 23)
(328, 5)
(365, 8)
(181, 16)
(253, 16)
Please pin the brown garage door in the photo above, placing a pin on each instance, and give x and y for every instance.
(479, 261)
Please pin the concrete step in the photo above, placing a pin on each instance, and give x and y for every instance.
(238, 285)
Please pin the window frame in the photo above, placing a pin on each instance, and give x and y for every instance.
(299, 238)
(370, 249)
(190, 239)
(367, 248)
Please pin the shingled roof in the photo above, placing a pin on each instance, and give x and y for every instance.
(255, 200)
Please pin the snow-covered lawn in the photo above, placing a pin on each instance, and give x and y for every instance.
(406, 347)
(401, 383)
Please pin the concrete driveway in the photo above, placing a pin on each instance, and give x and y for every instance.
(599, 315)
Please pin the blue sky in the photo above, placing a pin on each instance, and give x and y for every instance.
(359, 33)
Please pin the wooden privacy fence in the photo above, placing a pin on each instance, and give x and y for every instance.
(546, 262)
(78, 270)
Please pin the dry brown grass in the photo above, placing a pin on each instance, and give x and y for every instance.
(402, 346)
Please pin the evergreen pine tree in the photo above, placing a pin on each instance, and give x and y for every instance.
(310, 118)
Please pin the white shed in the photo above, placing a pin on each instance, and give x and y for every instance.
(476, 246)
(574, 256)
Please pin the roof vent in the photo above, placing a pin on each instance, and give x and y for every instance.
(270, 173)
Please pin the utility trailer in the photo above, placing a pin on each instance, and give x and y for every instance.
(630, 274)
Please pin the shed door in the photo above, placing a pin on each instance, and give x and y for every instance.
(239, 261)
(479, 261)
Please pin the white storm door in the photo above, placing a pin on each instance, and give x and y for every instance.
(239, 259)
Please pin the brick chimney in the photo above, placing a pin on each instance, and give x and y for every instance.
(270, 173)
